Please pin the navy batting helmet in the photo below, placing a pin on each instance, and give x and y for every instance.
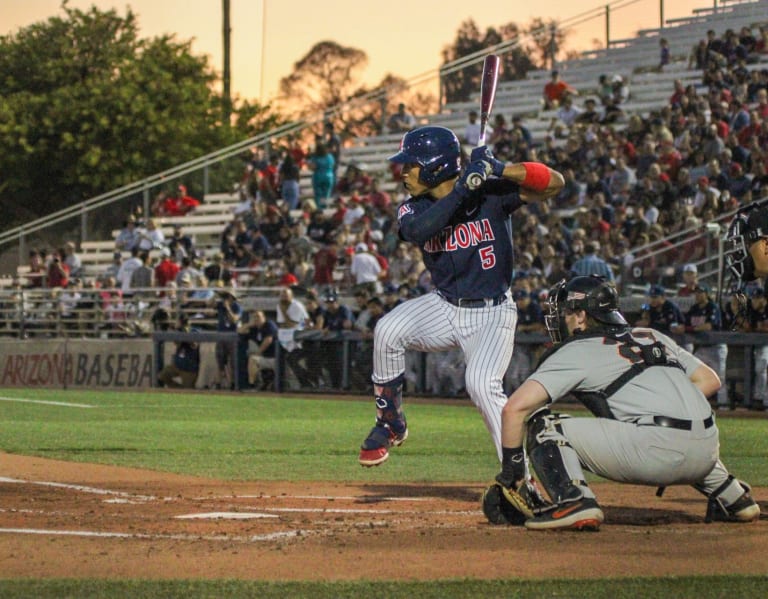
(435, 149)
(592, 294)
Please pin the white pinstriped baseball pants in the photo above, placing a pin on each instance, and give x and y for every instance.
(430, 324)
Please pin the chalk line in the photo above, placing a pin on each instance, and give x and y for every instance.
(143, 536)
(46, 402)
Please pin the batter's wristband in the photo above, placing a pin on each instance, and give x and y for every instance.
(537, 176)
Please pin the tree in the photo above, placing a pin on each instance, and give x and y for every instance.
(547, 40)
(87, 106)
(323, 78)
(460, 85)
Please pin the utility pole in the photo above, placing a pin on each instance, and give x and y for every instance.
(227, 72)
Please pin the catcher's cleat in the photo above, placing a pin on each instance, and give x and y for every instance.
(583, 514)
(375, 448)
(744, 509)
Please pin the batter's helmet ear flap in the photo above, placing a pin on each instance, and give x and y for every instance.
(435, 149)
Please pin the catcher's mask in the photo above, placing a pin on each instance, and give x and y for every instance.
(591, 294)
(747, 227)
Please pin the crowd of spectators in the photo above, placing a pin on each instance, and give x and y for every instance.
(632, 180)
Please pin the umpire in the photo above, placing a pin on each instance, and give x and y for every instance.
(651, 428)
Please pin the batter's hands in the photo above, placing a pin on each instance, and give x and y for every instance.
(484, 153)
(474, 176)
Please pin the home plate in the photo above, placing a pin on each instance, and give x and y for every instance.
(226, 516)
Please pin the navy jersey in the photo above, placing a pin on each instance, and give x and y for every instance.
(531, 314)
(756, 317)
(698, 315)
(257, 335)
(334, 321)
(664, 316)
(468, 247)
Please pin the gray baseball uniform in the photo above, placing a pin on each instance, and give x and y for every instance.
(640, 436)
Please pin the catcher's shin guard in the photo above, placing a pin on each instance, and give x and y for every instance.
(743, 509)
(554, 461)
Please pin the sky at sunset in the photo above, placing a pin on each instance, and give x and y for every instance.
(401, 37)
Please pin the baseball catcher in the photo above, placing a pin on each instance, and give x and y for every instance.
(653, 424)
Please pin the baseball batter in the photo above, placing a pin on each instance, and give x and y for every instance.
(461, 223)
(653, 424)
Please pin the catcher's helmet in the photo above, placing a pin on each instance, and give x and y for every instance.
(591, 294)
(747, 226)
(435, 149)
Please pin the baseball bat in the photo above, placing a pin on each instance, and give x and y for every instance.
(487, 92)
(487, 95)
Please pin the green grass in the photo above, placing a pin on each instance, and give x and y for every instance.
(249, 437)
(625, 588)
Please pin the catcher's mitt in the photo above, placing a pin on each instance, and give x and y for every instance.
(509, 506)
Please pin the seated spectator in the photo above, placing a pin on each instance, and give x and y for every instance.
(592, 264)
(167, 269)
(37, 270)
(590, 114)
(378, 198)
(690, 274)
(554, 91)
(128, 238)
(354, 181)
(180, 244)
(660, 313)
(183, 370)
(261, 336)
(177, 205)
(151, 237)
(401, 121)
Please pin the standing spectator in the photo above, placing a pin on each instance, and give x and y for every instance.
(228, 315)
(269, 188)
(365, 269)
(332, 143)
(167, 269)
(125, 272)
(72, 260)
(401, 121)
(757, 322)
(325, 261)
(472, 130)
(58, 270)
(323, 166)
(143, 276)
(292, 316)
(289, 181)
(703, 316)
(664, 54)
(338, 319)
(530, 319)
(660, 313)
(554, 91)
(592, 264)
(37, 270)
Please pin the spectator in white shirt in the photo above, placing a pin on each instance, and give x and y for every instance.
(365, 269)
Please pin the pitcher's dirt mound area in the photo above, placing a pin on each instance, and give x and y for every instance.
(60, 519)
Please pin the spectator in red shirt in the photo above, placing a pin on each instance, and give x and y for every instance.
(325, 262)
(58, 271)
(379, 199)
(554, 91)
(269, 185)
(167, 269)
